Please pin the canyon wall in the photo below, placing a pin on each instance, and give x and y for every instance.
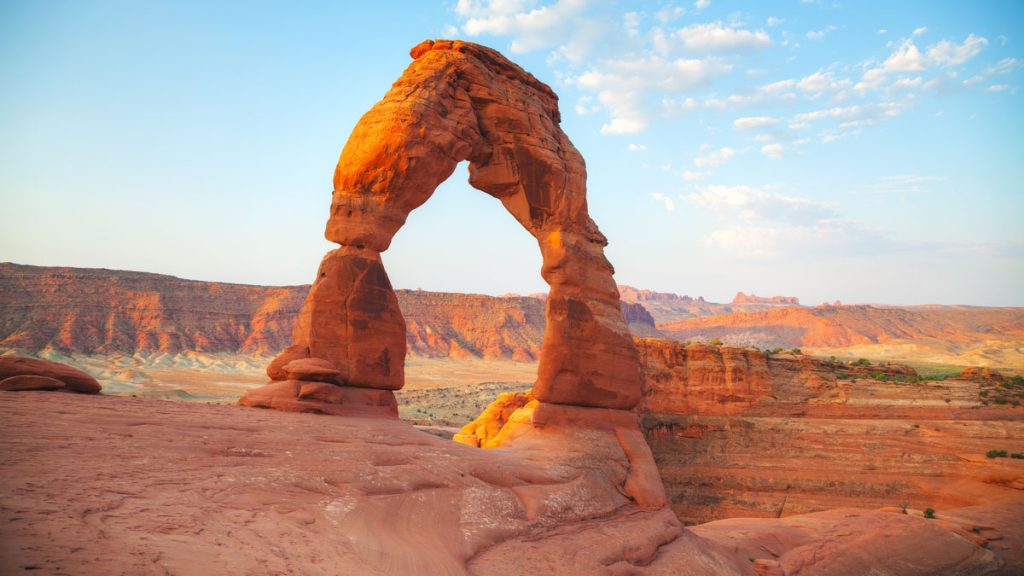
(737, 432)
(849, 325)
(96, 311)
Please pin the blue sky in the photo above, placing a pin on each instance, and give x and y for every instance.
(862, 151)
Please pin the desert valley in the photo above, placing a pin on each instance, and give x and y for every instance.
(163, 425)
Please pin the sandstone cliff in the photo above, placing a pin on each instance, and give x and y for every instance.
(736, 432)
(90, 311)
(95, 311)
(849, 325)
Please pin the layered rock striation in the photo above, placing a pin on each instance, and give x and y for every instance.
(737, 432)
(459, 101)
(73, 311)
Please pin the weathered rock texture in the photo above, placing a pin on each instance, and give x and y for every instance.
(739, 433)
(98, 485)
(459, 101)
(17, 373)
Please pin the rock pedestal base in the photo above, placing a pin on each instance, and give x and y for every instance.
(322, 398)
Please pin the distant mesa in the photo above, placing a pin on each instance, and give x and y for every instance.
(742, 298)
(631, 294)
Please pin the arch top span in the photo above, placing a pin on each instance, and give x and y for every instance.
(458, 101)
(461, 101)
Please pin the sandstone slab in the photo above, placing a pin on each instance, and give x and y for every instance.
(74, 379)
(30, 382)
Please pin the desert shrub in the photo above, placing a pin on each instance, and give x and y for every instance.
(999, 400)
(796, 351)
(715, 342)
(862, 362)
(929, 513)
(995, 454)
(1017, 456)
(983, 393)
(903, 507)
(877, 376)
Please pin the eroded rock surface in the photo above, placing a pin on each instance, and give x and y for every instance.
(116, 485)
(73, 379)
(460, 101)
(738, 433)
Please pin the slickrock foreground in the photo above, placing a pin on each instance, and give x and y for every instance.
(112, 485)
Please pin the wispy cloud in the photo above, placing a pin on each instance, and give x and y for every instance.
(714, 37)
(665, 200)
(948, 53)
(819, 34)
(903, 184)
(751, 203)
(754, 122)
(710, 157)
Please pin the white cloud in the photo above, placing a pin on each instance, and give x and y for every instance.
(637, 148)
(622, 86)
(947, 53)
(531, 28)
(713, 158)
(1004, 66)
(754, 122)
(585, 105)
(822, 81)
(774, 21)
(670, 204)
(669, 14)
(750, 203)
(690, 176)
(997, 88)
(920, 31)
(826, 238)
(449, 31)
(906, 58)
(902, 184)
(819, 34)
(773, 151)
(713, 37)
(882, 31)
(701, 4)
(678, 107)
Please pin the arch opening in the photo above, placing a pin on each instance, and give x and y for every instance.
(459, 101)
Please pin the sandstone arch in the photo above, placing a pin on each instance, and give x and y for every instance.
(460, 101)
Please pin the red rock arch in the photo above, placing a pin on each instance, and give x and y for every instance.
(460, 101)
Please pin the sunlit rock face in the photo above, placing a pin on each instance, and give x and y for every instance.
(459, 101)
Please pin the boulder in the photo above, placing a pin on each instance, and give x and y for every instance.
(74, 379)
